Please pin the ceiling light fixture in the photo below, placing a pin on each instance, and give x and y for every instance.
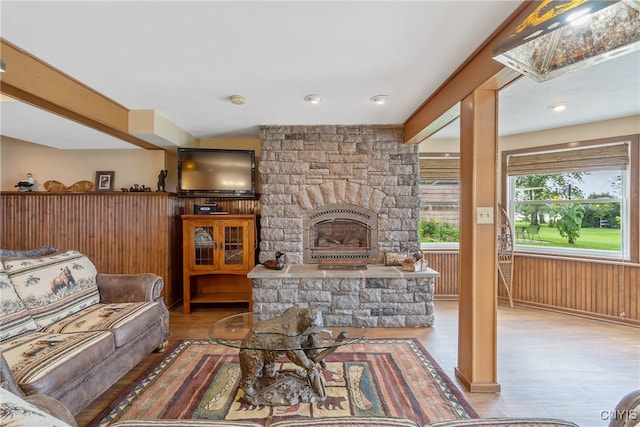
(558, 107)
(560, 37)
(313, 99)
(380, 99)
(237, 99)
(3, 66)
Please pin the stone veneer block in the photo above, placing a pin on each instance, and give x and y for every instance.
(376, 297)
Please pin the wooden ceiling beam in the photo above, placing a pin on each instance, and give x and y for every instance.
(34, 82)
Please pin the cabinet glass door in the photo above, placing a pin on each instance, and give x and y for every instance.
(204, 246)
(233, 251)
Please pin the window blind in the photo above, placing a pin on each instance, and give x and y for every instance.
(440, 169)
(608, 157)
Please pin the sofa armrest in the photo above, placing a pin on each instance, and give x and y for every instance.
(627, 411)
(115, 288)
(7, 381)
(146, 287)
(52, 407)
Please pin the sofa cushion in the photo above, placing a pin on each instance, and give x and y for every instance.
(185, 423)
(17, 412)
(125, 320)
(42, 362)
(54, 286)
(14, 317)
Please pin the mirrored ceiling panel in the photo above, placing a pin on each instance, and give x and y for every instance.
(605, 91)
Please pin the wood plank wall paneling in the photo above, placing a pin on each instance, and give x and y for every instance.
(445, 262)
(141, 232)
(120, 232)
(601, 289)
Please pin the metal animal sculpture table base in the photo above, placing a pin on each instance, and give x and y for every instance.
(294, 334)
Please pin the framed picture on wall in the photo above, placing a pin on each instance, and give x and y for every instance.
(104, 180)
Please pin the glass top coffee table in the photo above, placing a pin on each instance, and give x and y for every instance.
(299, 335)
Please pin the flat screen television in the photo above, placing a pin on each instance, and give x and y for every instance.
(208, 172)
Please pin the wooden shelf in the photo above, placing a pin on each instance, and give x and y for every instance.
(221, 297)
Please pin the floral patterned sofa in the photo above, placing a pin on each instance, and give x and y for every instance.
(70, 333)
(48, 412)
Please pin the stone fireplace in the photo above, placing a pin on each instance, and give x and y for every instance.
(359, 170)
(340, 193)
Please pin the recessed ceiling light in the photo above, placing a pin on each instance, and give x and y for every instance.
(237, 99)
(314, 99)
(379, 99)
(558, 107)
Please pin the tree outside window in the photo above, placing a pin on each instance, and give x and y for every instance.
(571, 199)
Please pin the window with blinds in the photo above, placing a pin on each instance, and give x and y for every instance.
(607, 157)
(439, 169)
(571, 199)
(439, 198)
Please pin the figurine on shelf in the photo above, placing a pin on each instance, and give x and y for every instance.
(161, 178)
(275, 264)
(140, 189)
(24, 186)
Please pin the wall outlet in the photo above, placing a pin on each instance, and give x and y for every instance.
(484, 215)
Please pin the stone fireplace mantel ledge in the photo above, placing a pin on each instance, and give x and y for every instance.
(312, 271)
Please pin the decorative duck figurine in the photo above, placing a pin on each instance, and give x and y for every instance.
(26, 185)
(275, 264)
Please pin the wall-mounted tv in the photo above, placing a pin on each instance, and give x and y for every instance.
(208, 172)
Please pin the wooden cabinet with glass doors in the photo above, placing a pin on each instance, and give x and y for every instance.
(218, 252)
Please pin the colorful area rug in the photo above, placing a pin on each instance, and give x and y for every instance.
(199, 380)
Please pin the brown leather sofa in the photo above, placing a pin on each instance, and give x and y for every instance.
(78, 333)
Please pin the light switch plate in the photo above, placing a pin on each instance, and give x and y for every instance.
(484, 215)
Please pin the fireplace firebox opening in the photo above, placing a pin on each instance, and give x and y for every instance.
(340, 232)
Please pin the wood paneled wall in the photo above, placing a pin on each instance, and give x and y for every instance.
(140, 232)
(596, 288)
(120, 232)
(446, 263)
(599, 288)
(124, 233)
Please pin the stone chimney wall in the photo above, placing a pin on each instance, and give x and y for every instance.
(304, 167)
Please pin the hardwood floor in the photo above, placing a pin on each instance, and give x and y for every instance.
(549, 364)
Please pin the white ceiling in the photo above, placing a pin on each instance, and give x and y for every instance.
(185, 58)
